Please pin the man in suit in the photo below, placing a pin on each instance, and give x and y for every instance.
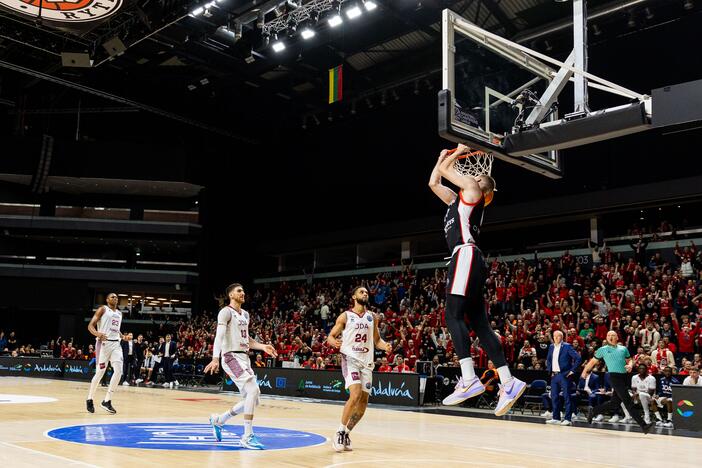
(139, 351)
(561, 363)
(168, 351)
(129, 358)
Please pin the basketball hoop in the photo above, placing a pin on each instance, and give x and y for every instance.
(474, 163)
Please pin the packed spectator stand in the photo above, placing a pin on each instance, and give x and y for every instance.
(654, 305)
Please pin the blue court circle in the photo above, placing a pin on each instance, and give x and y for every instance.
(180, 436)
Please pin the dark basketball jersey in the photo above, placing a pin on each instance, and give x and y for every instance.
(462, 222)
(666, 390)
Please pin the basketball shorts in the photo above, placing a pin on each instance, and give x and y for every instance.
(355, 372)
(238, 368)
(466, 272)
(108, 351)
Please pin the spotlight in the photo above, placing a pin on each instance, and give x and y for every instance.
(197, 11)
(561, 1)
(209, 5)
(354, 11)
(370, 5)
(261, 21)
(307, 33)
(335, 20)
(266, 40)
(278, 46)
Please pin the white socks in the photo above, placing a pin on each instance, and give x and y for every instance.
(236, 409)
(467, 369)
(505, 375)
(248, 427)
(343, 428)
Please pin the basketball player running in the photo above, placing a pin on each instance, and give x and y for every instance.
(105, 326)
(464, 288)
(619, 363)
(359, 336)
(233, 342)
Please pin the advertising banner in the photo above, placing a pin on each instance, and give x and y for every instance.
(387, 388)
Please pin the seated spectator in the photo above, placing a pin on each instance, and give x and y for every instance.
(643, 387)
(259, 361)
(694, 378)
(401, 365)
(385, 367)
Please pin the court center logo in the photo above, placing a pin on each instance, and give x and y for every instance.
(684, 408)
(65, 11)
(180, 436)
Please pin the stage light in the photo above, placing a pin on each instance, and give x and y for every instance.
(689, 5)
(278, 46)
(335, 20)
(370, 5)
(307, 33)
(197, 11)
(354, 12)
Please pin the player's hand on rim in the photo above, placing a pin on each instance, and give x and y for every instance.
(212, 367)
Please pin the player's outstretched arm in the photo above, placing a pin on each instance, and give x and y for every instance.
(332, 339)
(92, 325)
(440, 190)
(266, 348)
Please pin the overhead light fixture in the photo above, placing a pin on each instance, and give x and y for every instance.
(220, 1)
(197, 11)
(689, 5)
(649, 13)
(307, 33)
(192, 87)
(335, 20)
(278, 46)
(209, 5)
(596, 30)
(370, 5)
(354, 11)
(561, 1)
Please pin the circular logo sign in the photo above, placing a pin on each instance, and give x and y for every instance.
(180, 436)
(683, 410)
(65, 11)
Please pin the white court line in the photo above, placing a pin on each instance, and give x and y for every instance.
(423, 460)
(72, 462)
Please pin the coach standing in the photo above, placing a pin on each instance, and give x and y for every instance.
(615, 356)
(561, 363)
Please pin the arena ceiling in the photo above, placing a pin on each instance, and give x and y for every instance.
(194, 68)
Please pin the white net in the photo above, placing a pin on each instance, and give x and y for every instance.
(475, 163)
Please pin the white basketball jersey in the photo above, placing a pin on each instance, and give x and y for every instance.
(236, 337)
(357, 338)
(110, 323)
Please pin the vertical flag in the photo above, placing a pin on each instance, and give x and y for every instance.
(335, 84)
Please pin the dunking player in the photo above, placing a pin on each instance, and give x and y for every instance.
(233, 342)
(359, 336)
(105, 326)
(466, 278)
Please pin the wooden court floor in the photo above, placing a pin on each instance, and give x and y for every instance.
(385, 437)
